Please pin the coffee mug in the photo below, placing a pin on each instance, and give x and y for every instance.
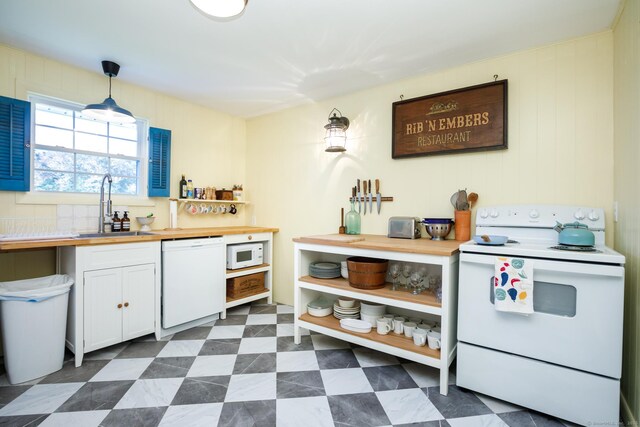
(409, 327)
(382, 327)
(420, 337)
(415, 320)
(433, 338)
(389, 319)
(424, 327)
(192, 209)
(202, 209)
(398, 325)
(232, 209)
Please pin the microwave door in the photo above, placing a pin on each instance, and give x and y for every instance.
(244, 256)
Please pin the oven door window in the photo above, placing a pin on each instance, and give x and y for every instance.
(550, 298)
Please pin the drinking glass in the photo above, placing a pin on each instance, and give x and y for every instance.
(416, 279)
(407, 269)
(394, 272)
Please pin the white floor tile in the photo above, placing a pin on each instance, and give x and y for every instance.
(489, 420)
(284, 309)
(181, 348)
(209, 366)
(251, 387)
(41, 399)
(262, 319)
(258, 345)
(226, 332)
(345, 381)
(106, 353)
(498, 406)
(324, 342)
(75, 419)
(150, 393)
(408, 406)
(200, 415)
(123, 369)
(424, 376)
(368, 357)
(295, 361)
(286, 330)
(303, 411)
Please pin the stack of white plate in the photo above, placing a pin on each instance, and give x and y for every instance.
(324, 270)
(355, 325)
(370, 312)
(346, 313)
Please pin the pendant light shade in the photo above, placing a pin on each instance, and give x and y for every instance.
(336, 132)
(220, 8)
(108, 110)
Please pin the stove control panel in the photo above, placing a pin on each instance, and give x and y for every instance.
(539, 216)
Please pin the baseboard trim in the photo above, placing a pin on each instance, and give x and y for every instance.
(627, 415)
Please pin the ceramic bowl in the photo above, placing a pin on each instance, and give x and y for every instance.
(320, 312)
(145, 222)
(346, 302)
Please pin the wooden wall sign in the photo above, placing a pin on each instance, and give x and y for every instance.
(462, 120)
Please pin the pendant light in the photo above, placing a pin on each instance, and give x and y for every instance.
(336, 136)
(221, 8)
(108, 110)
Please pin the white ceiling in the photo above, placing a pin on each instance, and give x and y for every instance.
(282, 53)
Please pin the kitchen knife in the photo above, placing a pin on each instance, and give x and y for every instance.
(378, 196)
(359, 201)
(364, 184)
(370, 198)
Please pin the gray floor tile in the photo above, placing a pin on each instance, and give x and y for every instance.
(257, 363)
(438, 423)
(357, 410)
(285, 318)
(168, 367)
(141, 349)
(96, 395)
(259, 413)
(259, 331)
(70, 374)
(23, 420)
(299, 384)
(529, 419)
(457, 403)
(287, 344)
(336, 359)
(198, 333)
(391, 377)
(202, 390)
(8, 393)
(232, 320)
(215, 347)
(139, 417)
(263, 309)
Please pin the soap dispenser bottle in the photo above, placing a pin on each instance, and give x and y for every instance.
(126, 222)
(116, 225)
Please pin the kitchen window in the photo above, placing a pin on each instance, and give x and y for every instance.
(71, 153)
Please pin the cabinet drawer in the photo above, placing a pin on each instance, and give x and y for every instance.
(246, 238)
(119, 255)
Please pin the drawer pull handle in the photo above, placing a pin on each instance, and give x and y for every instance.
(250, 237)
(119, 305)
(126, 304)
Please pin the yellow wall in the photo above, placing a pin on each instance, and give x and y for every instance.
(560, 148)
(207, 145)
(626, 179)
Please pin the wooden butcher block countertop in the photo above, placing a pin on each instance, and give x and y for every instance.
(383, 243)
(114, 238)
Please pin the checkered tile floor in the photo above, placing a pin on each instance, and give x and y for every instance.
(246, 371)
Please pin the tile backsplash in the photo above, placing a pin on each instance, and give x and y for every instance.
(81, 218)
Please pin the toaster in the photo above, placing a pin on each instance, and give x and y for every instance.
(404, 227)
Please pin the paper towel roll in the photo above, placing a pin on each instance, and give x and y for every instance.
(173, 214)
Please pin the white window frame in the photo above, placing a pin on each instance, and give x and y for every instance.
(143, 138)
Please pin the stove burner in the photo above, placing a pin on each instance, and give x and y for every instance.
(575, 248)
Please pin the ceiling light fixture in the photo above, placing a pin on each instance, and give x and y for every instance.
(108, 110)
(221, 8)
(336, 136)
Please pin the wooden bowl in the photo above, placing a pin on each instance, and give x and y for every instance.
(367, 273)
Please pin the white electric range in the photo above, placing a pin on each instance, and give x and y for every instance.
(565, 359)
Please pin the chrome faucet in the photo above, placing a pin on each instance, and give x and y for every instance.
(105, 207)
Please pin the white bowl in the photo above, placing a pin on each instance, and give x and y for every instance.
(320, 312)
(145, 222)
(373, 308)
(346, 302)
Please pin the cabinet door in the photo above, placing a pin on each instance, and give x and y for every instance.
(138, 289)
(102, 316)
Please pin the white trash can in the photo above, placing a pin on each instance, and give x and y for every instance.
(33, 316)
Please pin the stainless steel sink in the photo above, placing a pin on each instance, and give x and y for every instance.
(116, 234)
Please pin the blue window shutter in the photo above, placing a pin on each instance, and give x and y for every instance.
(159, 162)
(15, 144)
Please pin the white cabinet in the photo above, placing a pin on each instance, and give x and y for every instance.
(439, 257)
(116, 295)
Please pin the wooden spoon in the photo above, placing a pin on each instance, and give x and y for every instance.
(472, 198)
(485, 238)
(342, 230)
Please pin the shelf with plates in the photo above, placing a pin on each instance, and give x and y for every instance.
(400, 302)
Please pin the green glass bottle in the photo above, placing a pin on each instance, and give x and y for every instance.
(352, 220)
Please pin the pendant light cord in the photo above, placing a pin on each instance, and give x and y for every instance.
(109, 85)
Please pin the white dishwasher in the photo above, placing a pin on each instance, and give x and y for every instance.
(193, 279)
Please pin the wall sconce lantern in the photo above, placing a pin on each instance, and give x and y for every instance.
(336, 135)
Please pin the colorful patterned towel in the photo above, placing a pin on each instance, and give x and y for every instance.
(513, 285)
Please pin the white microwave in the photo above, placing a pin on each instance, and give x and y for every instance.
(244, 255)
